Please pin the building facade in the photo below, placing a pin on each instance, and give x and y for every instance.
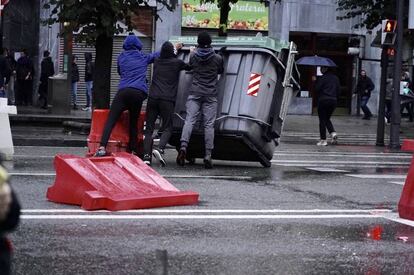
(312, 24)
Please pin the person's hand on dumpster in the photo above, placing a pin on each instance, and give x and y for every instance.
(192, 49)
(178, 46)
(313, 78)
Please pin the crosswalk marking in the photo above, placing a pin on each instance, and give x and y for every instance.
(376, 176)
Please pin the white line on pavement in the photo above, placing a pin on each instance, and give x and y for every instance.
(329, 154)
(339, 162)
(193, 217)
(305, 165)
(376, 176)
(398, 182)
(395, 218)
(165, 176)
(326, 169)
(314, 211)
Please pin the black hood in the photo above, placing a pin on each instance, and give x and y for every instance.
(167, 50)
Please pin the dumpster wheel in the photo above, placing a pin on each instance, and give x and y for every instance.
(265, 163)
(191, 160)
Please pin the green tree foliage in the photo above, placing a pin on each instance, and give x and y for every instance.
(372, 12)
(95, 23)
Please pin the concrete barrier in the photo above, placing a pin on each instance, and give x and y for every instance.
(6, 142)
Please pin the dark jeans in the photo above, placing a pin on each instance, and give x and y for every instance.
(155, 108)
(126, 99)
(364, 107)
(43, 93)
(325, 111)
(24, 92)
(208, 107)
(409, 108)
(388, 109)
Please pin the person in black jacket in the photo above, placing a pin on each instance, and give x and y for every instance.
(328, 90)
(47, 69)
(9, 219)
(89, 68)
(24, 75)
(161, 99)
(5, 72)
(364, 88)
(75, 80)
(206, 66)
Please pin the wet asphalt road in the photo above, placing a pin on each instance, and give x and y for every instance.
(295, 218)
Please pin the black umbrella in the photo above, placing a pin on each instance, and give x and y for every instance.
(316, 61)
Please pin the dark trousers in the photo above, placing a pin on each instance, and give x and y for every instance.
(43, 93)
(155, 108)
(126, 99)
(24, 92)
(364, 107)
(325, 111)
(409, 108)
(388, 109)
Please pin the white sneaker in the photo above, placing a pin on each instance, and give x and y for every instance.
(334, 138)
(322, 142)
(87, 109)
(159, 155)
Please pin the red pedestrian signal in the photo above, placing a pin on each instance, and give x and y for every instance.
(388, 35)
(390, 26)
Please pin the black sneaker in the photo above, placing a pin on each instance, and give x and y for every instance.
(208, 163)
(147, 159)
(100, 153)
(181, 157)
(159, 155)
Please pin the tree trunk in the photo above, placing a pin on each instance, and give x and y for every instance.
(102, 74)
(224, 16)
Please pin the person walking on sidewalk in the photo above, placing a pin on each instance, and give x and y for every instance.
(75, 80)
(206, 66)
(89, 68)
(11, 63)
(24, 74)
(5, 72)
(132, 91)
(47, 69)
(364, 88)
(161, 99)
(328, 90)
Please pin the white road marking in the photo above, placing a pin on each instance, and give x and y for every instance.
(314, 211)
(305, 165)
(396, 218)
(165, 176)
(339, 162)
(329, 154)
(398, 182)
(377, 176)
(325, 169)
(193, 217)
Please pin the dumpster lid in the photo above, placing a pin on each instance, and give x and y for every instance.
(239, 41)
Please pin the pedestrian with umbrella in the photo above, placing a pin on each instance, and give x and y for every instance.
(328, 89)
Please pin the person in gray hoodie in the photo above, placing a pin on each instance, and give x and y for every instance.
(206, 66)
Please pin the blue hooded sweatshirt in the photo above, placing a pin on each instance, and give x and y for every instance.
(132, 65)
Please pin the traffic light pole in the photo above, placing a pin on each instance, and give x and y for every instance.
(395, 107)
(381, 108)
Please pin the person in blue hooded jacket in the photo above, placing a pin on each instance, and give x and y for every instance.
(132, 91)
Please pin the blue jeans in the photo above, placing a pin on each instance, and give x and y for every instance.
(89, 87)
(3, 93)
(364, 107)
(74, 92)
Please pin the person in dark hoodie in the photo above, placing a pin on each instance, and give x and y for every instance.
(9, 219)
(89, 68)
(24, 75)
(161, 99)
(75, 80)
(364, 88)
(47, 69)
(133, 90)
(206, 66)
(328, 90)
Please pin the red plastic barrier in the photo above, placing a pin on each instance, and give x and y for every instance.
(119, 139)
(118, 182)
(406, 204)
(408, 145)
